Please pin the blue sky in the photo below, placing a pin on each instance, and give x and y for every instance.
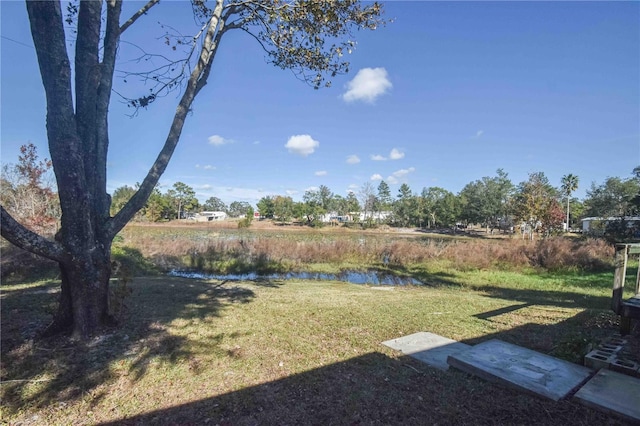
(446, 94)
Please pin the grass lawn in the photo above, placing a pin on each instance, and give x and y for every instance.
(305, 352)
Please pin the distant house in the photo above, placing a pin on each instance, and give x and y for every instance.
(209, 216)
(333, 217)
(597, 225)
(377, 216)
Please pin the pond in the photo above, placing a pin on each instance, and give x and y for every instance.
(353, 277)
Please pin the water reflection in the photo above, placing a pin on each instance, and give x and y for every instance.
(353, 277)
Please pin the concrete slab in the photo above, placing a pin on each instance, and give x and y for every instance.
(429, 348)
(521, 368)
(612, 392)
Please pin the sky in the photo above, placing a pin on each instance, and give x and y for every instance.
(444, 95)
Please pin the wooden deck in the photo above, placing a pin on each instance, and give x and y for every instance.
(627, 309)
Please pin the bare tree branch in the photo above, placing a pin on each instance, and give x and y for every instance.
(138, 14)
(196, 81)
(164, 77)
(202, 81)
(22, 237)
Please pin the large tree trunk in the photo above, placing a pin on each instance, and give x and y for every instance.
(88, 280)
(84, 299)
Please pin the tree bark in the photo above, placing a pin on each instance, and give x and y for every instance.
(84, 298)
(88, 279)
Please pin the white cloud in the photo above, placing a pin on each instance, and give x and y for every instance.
(311, 188)
(302, 145)
(321, 173)
(205, 167)
(217, 140)
(378, 157)
(353, 159)
(478, 134)
(291, 192)
(398, 175)
(396, 154)
(403, 172)
(367, 85)
(376, 177)
(353, 187)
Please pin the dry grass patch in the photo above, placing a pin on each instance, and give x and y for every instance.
(266, 251)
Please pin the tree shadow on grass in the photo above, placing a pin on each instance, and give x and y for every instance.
(38, 371)
(371, 389)
(570, 339)
(558, 298)
(379, 389)
(561, 298)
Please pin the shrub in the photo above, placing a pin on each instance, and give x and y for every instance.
(244, 223)
(560, 253)
(130, 261)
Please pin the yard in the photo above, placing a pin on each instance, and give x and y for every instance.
(300, 352)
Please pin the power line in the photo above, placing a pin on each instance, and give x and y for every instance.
(18, 42)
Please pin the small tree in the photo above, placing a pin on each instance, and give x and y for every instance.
(368, 200)
(486, 200)
(157, 207)
(569, 184)
(238, 208)
(351, 204)
(403, 205)
(248, 218)
(265, 207)
(120, 197)
(536, 204)
(384, 196)
(313, 208)
(215, 204)
(26, 192)
(183, 197)
(440, 206)
(614, 197)
(282, 208)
